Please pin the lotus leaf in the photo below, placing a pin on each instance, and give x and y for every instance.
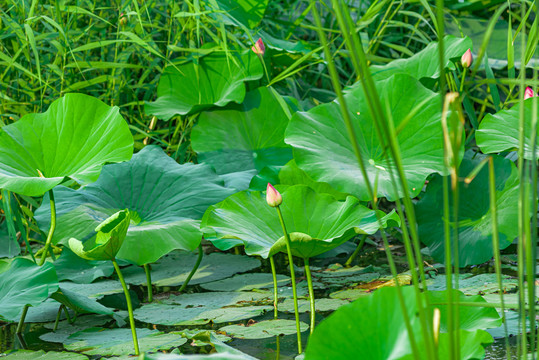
(213, 80)
(247, 282)
(72, 267)
(42, 355)
(475, 220)
(499, 132)
(109, 237)
(241, 140)
(321, 131)
(264, 329)
(72, 139)
(315, 222)
(366, 339)
(106, 342)
(165, 200)
(25, 283)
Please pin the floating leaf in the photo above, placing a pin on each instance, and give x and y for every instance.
(165, 200)
(72, 139)
(476, 285)
(323, 149)
(213, 80)
(264, 329)
(65, 328)
(499, 132)
(321, 305)
(108, 342)
(80, 303)
(173, 269)
(475, 220)
(246, 282)
(324, 222)
(25, 283)
(201, 308)
(241, 140)
(42, 355)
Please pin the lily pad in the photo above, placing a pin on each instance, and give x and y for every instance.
(65, 329)
(499, 132)
(324, 223)
(315, 133)
(201, 308)
(80, 303)
(94, 290)
(173, 269)
(72, 267)
(264, 329)
(165, 200)
(25, 283)
(321, 305)
(240, 140)
(108, 342)
(476, 285)
(42, 355)
(213, 80)
(475, 220)
(72, 139)
(247, 282)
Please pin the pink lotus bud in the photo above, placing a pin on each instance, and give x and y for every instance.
(528, 93)
(259, 48)
(467, 59)
(123, 19)
(273, 197)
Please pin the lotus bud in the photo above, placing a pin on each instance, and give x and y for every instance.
(273, 197)
(528, 93)
(467, 59)
(259, 48)
(123, 19)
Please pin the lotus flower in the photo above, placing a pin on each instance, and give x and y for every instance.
(273, 197)
(467, 59)
(259, 48)
(528, 93)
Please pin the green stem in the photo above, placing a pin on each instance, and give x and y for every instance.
(292, 276)
(57, 321)
(275, 291)
(51, 230)
(462, 80)
(129, 306)
(356, 251)
(149, 282)
(195, 268)
(311, 292)
(21, 321)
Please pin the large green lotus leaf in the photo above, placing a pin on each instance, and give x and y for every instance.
(247, 12)
(72, 267)
(475, 220)
(246, 282)
(109, 238)
(499, 132)
(423, 64)
(65, 328)
(42, 355)
(482, 284)
(72, 139)
(165, 201)
(25, 283)
(242, 139)
(291, 174)
(107, 342)
(323, 149)
(79, 303)
(214, 80)
(365, 339)
(316, 222)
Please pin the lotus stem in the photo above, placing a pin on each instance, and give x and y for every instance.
(21, 321)
(311, 292)
(148, 272)
(57, 318)
(463, 79)
(195, 268)
(275, 291)
(129, 306)
(356, 251)
(292, 276)
(51, 230)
